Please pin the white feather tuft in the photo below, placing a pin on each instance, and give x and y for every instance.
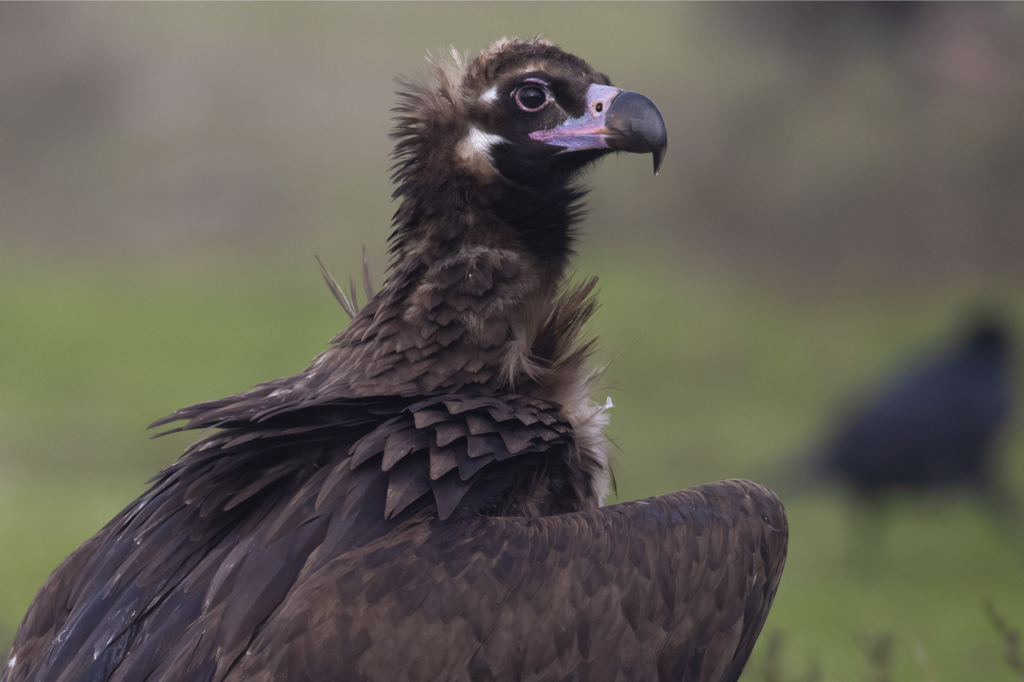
(479, 142)
(490, 95)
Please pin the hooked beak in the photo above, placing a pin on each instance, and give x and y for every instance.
(614, 119)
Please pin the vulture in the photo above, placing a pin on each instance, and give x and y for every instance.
(934, 425)
(425, 500)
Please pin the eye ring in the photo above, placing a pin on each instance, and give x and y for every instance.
(528, 96)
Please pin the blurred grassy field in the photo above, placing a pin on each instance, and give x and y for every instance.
(711, 378)
(843, 182)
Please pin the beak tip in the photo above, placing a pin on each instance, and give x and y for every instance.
(659, 155)
(638, 125)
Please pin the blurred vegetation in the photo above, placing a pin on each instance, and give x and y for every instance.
(842, 187)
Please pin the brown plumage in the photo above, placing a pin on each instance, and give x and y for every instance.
(423, 502)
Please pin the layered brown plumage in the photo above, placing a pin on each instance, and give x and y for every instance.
(423, 502)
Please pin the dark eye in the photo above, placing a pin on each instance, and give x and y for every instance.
(531, 97)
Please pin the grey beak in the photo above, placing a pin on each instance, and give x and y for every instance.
(638, 125)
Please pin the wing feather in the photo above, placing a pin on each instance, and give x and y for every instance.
(675, 587)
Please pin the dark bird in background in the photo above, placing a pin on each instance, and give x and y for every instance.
(424, 501)
(933, 426)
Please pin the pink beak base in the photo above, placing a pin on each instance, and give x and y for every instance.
(589, 130)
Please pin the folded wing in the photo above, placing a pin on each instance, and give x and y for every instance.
(675, 587)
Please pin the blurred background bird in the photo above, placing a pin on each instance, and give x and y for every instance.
(844, 183)
(934, 426)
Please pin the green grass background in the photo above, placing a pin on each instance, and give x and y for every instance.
(710, 378)
(839, 189)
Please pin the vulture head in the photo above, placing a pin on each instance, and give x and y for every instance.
(504, 137)
(535, 115)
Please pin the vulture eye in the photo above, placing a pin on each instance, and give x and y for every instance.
(531, 97)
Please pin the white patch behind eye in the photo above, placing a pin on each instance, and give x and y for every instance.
(474, 152)
(478, 142)
(491, 95)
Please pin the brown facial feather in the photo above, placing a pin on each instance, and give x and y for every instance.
(422, 502)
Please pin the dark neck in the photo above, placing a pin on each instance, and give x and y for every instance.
(476, 268)
(443, 212)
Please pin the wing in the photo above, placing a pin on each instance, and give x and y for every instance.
(171, 560)
(452, 446)
(670, 588)
(180, 582)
